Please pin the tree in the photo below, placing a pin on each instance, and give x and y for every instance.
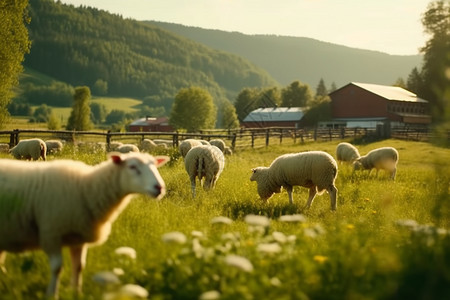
(245, 102)
(42, 113)
(296, 94)
(100, 87)
(53, 123)
(229, 116)
(321, 89)
(98, 113)
(115, 116)
(14, 44)
(400, 82)
(436, 66)
(193, 109)
(80, 117)
(319, 109)
(414, 81)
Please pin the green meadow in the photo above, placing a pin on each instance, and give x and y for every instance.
(387, 239)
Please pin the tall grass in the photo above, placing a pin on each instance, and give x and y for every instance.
(387, 239)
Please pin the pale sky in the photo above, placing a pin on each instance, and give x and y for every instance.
(390, 26)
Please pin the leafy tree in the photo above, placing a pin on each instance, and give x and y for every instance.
(321, 89)
(14, 44)
(53, 123)
(246, 101)
(319, 109)
(80, 117)
(269, 97)
(414, 81)
(296, 94)
(400, 82)
(20, 109)
(229, 116)
(98, 112)
(115, 116)
(56, 94)
(42, 113)
(100, 87)
(436, 81)
(193, 109)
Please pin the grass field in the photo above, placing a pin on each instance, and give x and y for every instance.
(387, 239)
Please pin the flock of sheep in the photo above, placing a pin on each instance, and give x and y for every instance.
(50, 205)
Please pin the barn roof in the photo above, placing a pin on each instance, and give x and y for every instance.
(389, 92)
(272, 114)
(150, 121)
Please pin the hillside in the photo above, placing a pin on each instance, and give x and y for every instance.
(305, 59)
(82, 46)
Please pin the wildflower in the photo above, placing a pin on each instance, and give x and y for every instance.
(133, 291)
(279, 237)
(174, 237)
(210, 295)
(239, 262)
(197, 248)
(118, 271)
(314, 231)
(126, 251)
(297, 218)
(221, 220)
(407, 223)
(258, 221)
(197, 234)
(350, 226)
(320, 258)
(106, 278)
(269, 248)
(274, 281)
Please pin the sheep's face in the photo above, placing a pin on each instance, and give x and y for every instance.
(140, 174)
(357, 165)
(259, 175)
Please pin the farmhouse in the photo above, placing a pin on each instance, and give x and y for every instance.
(147, 124)
(369, 105)
(273, 117)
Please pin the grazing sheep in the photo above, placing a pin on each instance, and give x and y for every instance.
(204, 142)
(4, 148)
(53, 146)
(147, 145)
(113, 146)
(315, 170)
(219, 143)
(125, 148)
(49, 205)
(186, 145)
(204, 161)
(227, 151)
(346, 152)
(385, 158)
(30, 149)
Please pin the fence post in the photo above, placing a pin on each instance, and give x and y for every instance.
(267, 137)
(175, 139)
(233, 141)
(281, 135)
(315, 134)
(253, 139)
(108, 139)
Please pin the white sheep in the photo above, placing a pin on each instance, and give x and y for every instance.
(346, 152)
(30, 149)
(204, 161)
(4, 148)
(315, 170)
(147, 145)
(385, 158)
(54, 146)
(186, 145)
(49, 205)
(125, 148)
(219, 143)
(227, 151)
(114, 145)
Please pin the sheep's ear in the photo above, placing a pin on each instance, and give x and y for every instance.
(115, 157)
(253, 170)
(161, 160)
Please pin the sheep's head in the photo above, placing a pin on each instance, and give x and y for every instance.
(260, 175)
(139, 173)
(357, 165)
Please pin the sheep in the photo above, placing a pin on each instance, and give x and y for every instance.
(219, 143)
(346, 152)
(125, 148)
(204, 161)
(51, 205)
(4, 148)
(385, 158)
(54, 146)
(114, 145)
(147, 145)
(316, 170)
(227, 151)
(186, 145)
(30, 149)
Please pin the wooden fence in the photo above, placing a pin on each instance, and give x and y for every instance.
(236, 139)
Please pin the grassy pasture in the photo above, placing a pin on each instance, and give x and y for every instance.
(361, 251)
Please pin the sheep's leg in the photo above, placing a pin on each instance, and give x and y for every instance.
(393, 173)
(312, 194)
(193, 187)
(289, 191)
(333, 197)
(56, 262)
(78, 258)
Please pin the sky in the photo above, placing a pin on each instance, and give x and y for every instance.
(389, 26)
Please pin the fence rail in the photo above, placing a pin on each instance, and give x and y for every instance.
(238, 138)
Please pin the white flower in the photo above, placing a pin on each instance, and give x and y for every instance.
(297, 218)
(221, 220)
(118, 271)
(239, 262)
(174, 237)
(126, 251)
(408, 223)
(197, 234)
(210, 295)
(254, 220)
(279, 237)
(269, 248)
(133, 290)
(274, 281)
(106, 278)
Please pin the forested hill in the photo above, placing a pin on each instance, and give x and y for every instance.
(305, 59)
(81, 45)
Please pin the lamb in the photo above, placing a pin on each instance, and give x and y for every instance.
(54, 146)
(316, 170)
(186, 145)
(219, 143)
(125, 148)
(385, 158)
(204, 161)
(346, 152)
(49, 205)
(30, 149)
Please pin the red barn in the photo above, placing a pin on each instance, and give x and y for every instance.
(148, 124)
(367, 105)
